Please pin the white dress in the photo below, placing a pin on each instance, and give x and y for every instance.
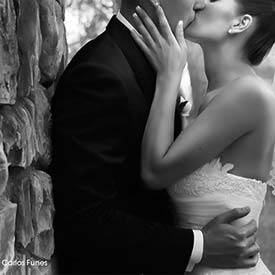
(212, 190)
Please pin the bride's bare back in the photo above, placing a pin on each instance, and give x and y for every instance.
(252, 153)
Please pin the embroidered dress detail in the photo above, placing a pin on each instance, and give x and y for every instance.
(214, 177)
(212, 190)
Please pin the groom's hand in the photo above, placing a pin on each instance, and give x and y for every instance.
(228, 246)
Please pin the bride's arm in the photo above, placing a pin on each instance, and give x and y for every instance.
(163, 159)
(228, 117)
(168, 55)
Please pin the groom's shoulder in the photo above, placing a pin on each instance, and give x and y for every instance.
(101, 54)
(98, 50)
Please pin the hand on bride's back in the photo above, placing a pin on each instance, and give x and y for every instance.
(166, 52)
(228, 246)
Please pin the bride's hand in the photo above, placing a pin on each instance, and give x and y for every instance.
(167, 52)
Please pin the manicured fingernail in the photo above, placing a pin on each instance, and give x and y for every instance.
(180, 23)
(138, 8)
(135, 15)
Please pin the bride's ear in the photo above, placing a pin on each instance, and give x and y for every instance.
(241, 24)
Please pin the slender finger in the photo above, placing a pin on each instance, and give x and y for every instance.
(143, 31)
(139, 40)
(164, 25)
(180, 35)
(155, 3)
(250, 262)
(251, 251)
(232, 215)
(149, 24)
(251, 240)
(248, 229)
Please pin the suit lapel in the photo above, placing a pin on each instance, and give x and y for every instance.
(143, 71)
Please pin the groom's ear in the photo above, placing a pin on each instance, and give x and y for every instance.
(241, 24)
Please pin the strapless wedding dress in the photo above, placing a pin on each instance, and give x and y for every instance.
(210, 191)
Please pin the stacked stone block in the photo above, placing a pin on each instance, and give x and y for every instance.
(33, 53)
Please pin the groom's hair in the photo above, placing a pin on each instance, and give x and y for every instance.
(129, 3)
(262, 39)
(128, 7)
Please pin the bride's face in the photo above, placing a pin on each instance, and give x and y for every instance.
(184, 10)
(213, 22)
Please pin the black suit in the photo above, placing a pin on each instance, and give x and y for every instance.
(106, 221)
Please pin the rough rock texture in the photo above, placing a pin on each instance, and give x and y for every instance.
(17, 269)
(20, 194)
(7, 226)
(4, 173)
(9, 61)
(31, 190)
(27, 265)
(52, 46)
(42, 215)
(33, 53)
(25, 128)
(30, 43)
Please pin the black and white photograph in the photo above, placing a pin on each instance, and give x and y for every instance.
(137, 137)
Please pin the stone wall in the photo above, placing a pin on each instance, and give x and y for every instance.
(33, 52)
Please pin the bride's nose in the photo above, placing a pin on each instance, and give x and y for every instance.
(199, 5)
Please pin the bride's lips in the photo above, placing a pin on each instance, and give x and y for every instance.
(190, 22)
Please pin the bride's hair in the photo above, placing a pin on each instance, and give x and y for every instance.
(263, 38)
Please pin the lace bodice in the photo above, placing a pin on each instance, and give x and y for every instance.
(210, 191)
(213, 177)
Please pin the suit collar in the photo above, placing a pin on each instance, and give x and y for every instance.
(124, 21)
(143, 71)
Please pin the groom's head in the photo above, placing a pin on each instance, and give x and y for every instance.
(175, 10)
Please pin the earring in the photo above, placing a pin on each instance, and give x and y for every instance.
(230, 31)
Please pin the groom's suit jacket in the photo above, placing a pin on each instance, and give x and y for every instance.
(106, 221)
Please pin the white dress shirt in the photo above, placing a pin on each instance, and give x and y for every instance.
(186, 94)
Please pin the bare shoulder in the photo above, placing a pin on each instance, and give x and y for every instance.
(255, 89)
(248, 100)
(251, 94)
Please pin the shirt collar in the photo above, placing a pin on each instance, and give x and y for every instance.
(124, 21)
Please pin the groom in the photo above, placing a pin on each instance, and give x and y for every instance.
(106, 221)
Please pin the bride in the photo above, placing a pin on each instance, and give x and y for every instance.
(223, 158)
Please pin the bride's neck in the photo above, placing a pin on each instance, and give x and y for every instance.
(224, 63)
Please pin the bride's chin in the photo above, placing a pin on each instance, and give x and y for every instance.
(189, 33)
(191, 37)
(192, 34)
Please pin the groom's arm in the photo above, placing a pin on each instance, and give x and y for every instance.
(90, 134)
